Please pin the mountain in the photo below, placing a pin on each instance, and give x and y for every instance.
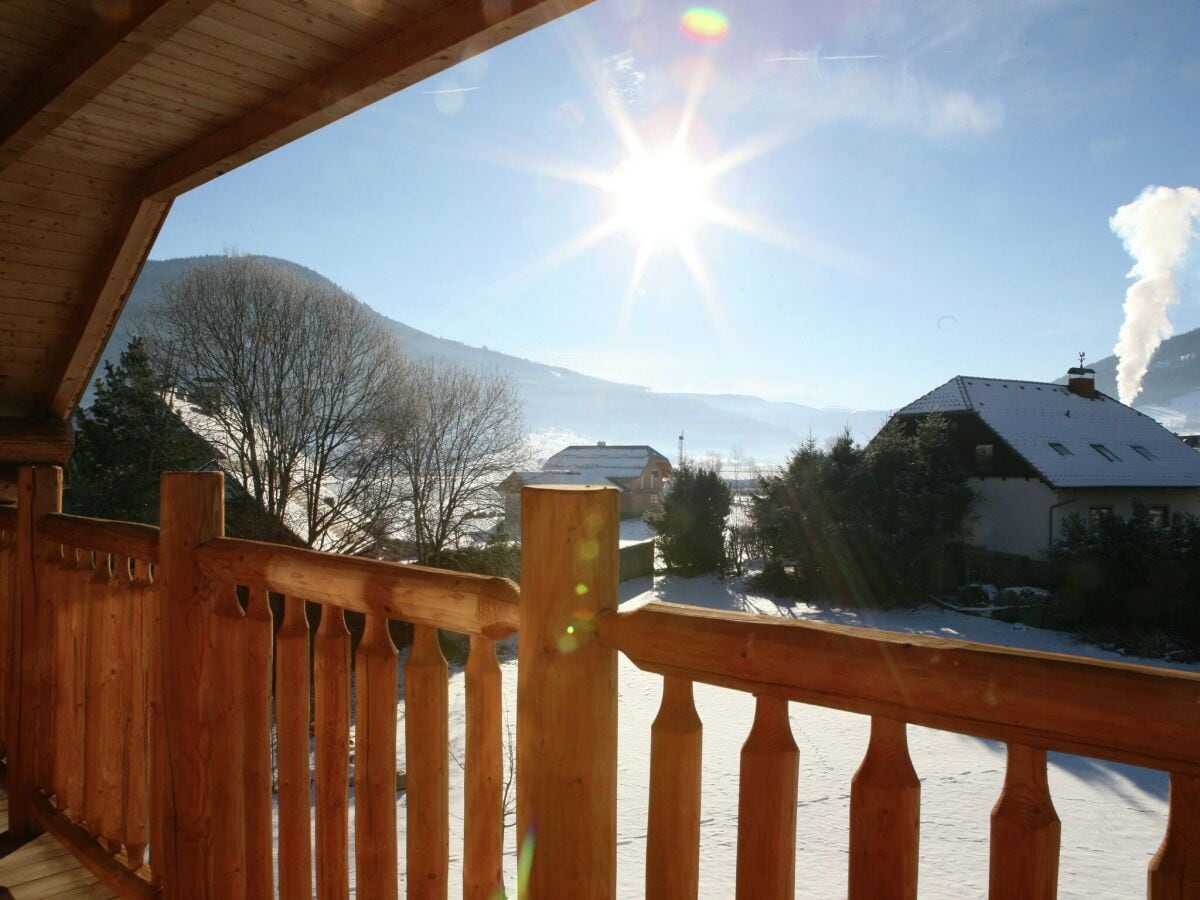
(1171, 388)
(563, 406)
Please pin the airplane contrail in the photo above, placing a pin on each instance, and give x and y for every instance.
(453, 90)
(807, 58)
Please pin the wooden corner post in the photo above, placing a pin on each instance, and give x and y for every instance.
(39, 492)
(567, 695)
(191, 512)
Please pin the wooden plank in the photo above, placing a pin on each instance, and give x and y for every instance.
(63, 713)
(48, 220)
(457, 601)
(483, 806)
(258, 634)
(53, 239)
(766, 846)
(1025, 831)
(375, 763)
(158, 732)
(295, 784)
(55, 201)
(112, 708)
(331, 697)
(102, 56)
(77, 627)
(98, 722)
(8, 598)
(191, 511)
(44, 177)
(227, 715)
(39, 493)
(567, 691)
(124, 538)
(242, 27)
(48, 598)
(885, 818)
(43, 257)
(427, 751)
(116, 274)
(1134, 714)
(673, 829)
(1174, 873)
(459, 29)
(135, 817)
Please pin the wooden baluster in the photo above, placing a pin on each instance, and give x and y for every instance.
(291, 724)
(673, 839)
(1174, 872)
(49, 601)
(136, 688)
(226, 696)
(375, 763)
(567, 693)
(885, 817)
(766, 849)
(112, 705)
(1025, 831)
(257, 633)
(427, 750)
(157, 727)
(78, 592)
(331, 678)
(39, 492)
(483, 806)
(99, 650)
(191, 512)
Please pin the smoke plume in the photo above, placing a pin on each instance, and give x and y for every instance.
(1157, 228)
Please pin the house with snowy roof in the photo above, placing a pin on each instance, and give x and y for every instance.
(1040, 452)
(637, 469)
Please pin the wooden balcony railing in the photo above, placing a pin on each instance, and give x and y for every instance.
(137, 719)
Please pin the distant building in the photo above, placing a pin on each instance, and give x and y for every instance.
(638, 470)
(1040, 452)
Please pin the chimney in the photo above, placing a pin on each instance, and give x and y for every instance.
(601, 443)
(1082, 381)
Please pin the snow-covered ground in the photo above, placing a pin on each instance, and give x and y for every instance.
(1113, 816)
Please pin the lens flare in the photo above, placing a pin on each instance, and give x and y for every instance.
(525, 862)
(703, 24)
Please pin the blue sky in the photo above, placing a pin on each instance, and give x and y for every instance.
(936, 205)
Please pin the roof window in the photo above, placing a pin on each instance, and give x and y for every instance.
(1060, 449)
(1142, 452)
(1106, 453)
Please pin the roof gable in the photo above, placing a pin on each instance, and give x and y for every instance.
(607, 462)
(1071, 441)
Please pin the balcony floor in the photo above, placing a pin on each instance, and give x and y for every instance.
(44, 869)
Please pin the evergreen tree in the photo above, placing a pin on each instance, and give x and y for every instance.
(691, 523)
(125, 440)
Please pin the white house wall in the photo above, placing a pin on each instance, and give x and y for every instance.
(1013, 515)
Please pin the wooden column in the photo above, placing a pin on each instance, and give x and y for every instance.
(1025, 831)
(770, 772)
(39, 492)
(191, 512)
(885, 817)
(567, 694)
(673, 839)
(1175, 870)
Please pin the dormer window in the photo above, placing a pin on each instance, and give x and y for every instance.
(1106, 453)
(1060, 449)
(1142, 452)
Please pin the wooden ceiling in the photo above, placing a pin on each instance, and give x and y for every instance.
(111, 108)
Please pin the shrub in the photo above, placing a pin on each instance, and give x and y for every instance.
(691, 523)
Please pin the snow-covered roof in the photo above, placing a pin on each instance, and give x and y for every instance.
(606, 461)
(558, 476)
(1071, 441)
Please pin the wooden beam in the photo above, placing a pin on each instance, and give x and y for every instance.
(115, 275)
(458, 31)
(105, 53)
(34, 442)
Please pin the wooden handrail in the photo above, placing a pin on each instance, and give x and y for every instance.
(123, 538)
(1115, 711)
(456, 601)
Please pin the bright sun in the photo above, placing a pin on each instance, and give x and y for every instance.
(660, 196)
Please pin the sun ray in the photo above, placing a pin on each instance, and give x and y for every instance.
(690, 254)
(637, 273)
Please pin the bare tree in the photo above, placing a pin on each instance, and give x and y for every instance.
(293, 382)
(460, 432)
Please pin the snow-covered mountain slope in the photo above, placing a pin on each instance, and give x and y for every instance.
(589, 409)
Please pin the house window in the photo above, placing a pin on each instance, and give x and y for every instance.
(985, 458)
(1060, 449)
(1106, 453)
(1143, 452)
(1096, 514)
(1160, 516)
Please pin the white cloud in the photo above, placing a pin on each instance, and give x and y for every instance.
(622, 78)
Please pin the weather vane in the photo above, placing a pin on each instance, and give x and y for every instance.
(1081, 355)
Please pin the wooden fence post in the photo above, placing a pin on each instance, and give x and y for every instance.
(39, 491)
(191, 512)
(567, 695)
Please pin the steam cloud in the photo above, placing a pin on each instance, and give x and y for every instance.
(1157, 229)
